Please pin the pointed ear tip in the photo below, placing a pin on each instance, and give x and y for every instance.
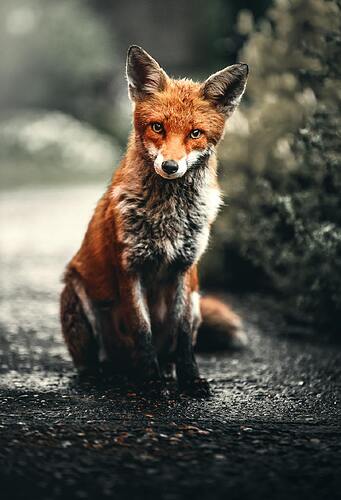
(244, 67)
(134, 48)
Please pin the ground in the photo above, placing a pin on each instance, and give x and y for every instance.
(270, 430)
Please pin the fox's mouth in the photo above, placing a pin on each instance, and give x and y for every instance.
(159, 170)
(171, 170)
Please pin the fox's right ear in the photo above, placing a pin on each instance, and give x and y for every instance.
(226, 87)
(144, 74)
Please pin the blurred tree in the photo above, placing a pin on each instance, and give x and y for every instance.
(56, 55)
(282, 157)
(69, 54)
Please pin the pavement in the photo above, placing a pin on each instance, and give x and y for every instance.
(270, 430)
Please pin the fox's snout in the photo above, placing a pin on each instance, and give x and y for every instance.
(170, 166)
(170, 160)
(173, 169)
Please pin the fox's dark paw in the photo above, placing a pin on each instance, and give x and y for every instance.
(154, 389)
(88, 374)
(197, 388)
(168, 372)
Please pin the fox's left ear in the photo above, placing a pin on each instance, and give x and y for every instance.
(226, 87)
(144, 74)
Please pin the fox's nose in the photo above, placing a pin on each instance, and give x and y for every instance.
(170, 166)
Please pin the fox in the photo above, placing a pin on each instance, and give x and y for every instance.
(131, 296)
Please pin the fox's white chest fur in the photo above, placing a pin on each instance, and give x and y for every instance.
(167, 223)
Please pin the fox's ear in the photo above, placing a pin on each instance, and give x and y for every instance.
(226, 87)
(144, 74)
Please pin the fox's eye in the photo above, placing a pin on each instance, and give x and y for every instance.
(195, 134)
(157, 127)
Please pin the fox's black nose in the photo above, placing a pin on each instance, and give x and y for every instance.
(170, 166)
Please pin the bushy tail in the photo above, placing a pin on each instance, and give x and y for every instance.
(221, 328)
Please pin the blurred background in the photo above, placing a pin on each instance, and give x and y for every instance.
(65, 117)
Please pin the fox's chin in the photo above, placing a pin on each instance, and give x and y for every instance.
(169, 177)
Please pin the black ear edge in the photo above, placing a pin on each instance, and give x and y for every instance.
(240, 66)
(133, 48)
(239, 70)
(244, 68)
(138, 56)
(136, 51)
(226, 87)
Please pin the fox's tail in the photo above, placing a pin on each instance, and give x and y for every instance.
(221, 328)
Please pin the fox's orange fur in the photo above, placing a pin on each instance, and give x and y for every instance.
(131, 291)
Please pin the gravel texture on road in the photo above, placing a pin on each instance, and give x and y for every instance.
(270, 430)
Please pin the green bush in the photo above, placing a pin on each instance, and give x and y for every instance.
(280, 162)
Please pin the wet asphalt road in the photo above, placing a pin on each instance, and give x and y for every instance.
(271, 429)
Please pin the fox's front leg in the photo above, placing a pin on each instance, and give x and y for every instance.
(137, 324)
(186, 366)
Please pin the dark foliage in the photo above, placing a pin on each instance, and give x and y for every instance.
(282, 158)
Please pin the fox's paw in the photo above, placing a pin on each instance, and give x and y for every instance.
(197, 388)
(88, 373)
(154, 389)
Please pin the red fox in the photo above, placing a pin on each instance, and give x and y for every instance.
(131, 295)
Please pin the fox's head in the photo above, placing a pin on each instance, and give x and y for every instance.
(179, 122)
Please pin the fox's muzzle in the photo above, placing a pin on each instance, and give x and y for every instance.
(170, 166)
(170, 169)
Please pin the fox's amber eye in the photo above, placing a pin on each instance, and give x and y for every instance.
(157, 127)
(195, 134)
